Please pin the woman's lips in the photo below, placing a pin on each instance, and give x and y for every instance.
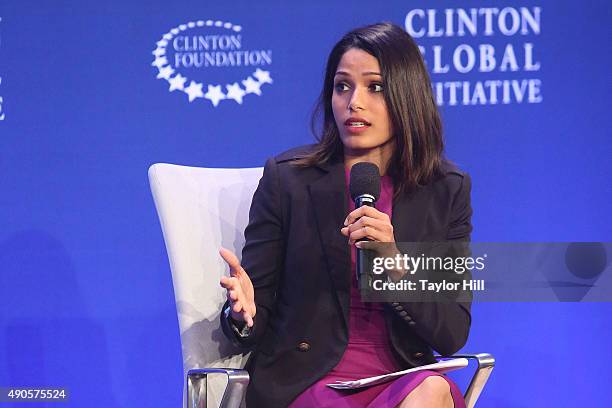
(356, 125)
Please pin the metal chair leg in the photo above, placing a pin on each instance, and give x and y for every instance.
(197, 384)
(486, 362)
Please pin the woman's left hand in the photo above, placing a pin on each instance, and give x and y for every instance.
(368, 222)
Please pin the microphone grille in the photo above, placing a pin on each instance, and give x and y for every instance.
(365, 179)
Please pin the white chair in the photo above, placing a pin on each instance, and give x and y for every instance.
(201, 210)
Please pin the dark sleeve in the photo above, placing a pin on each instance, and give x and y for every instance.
(445, 325)
(263, 254)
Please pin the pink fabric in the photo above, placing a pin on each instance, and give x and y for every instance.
(368, 352)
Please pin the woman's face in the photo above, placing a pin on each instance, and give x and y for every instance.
(358, 103)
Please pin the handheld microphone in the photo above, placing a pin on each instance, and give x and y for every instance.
(364, 186)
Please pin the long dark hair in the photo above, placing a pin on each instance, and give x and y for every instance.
(414, 116)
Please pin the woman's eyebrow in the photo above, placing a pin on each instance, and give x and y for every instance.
(363, 74)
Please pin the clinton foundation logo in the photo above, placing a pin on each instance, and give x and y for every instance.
(210, 62)
(480, 56)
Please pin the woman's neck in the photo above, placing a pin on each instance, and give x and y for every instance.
(380, 156)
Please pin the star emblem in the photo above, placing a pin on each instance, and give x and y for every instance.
(194, 90)
(214, 94)
(159, 51)
(252, 86)
(263, 76)
(235, 92)
(165, 73)
(177, 82)
(160, 61)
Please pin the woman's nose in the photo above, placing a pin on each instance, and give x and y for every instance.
(355, 103)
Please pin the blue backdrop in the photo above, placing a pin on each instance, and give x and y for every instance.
(92, 93)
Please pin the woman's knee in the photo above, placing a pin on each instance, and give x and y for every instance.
(435, 385)
(434, 391)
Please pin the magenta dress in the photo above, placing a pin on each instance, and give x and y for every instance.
(368, 352)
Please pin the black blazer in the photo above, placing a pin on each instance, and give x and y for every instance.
(299, 264)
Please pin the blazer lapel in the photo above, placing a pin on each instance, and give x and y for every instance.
(409, 217)
(328, 199)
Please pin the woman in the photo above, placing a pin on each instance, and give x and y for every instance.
(294, 297)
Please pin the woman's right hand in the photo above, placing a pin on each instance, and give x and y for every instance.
(239, 287)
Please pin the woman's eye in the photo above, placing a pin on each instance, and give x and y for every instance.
(376, 87)
(341, 86)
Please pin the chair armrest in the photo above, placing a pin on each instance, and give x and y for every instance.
(197, 382)
(486, 362)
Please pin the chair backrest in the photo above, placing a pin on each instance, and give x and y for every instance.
(200, 210)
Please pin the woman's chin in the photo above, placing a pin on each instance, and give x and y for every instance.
(358, 147)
